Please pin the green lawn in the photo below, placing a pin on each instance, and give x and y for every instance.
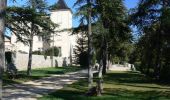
(37, 74)
(117, 86)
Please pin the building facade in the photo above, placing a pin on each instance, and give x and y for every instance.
(62, 16)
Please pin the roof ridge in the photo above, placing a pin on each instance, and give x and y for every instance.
(62, 4)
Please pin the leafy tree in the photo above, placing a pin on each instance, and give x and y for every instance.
(34, 5)
(110, 29)
(114, 18)
(80, 49)
(27, 22)
(153, 15)
(85, 10)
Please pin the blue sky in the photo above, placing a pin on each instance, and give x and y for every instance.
(128, 3)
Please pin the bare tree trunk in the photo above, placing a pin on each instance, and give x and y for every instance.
(30, 56)
(100, 69)
(109, 61)
(2, 47)
(90, 51)
(100, 80)
(31, 43)
(52, 53)
(104, 56)
(100, 74)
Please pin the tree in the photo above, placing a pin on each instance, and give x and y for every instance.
(36, 5)
(2, 29)
(109, 27)
(80, 49)
(114, 18)
(27, 22)
(86, 11)
(90, 47)
(154, 15)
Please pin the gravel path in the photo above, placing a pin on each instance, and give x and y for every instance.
(33, 89)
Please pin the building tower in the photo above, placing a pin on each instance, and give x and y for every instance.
(62, 15)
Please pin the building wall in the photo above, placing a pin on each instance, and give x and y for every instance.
(37, 44)
(38, 61)
(63, 39)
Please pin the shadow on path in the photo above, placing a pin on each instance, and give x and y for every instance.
(33, 89)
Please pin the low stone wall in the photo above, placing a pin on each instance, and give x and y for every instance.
(39, 61)
(119, 67)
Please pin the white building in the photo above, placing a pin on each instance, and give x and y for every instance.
(63, 40)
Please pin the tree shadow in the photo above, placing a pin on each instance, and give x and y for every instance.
(109, 94)
(126, 77)
(77, 90)
(138, 95)
(38, 74)
(144, 86)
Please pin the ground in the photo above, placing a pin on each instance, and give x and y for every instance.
(117, 86)
(38, 74)
(32, 89)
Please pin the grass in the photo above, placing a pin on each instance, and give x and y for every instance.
(117, 86)
(37, 74)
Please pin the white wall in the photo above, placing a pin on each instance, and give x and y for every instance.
(38, 61)
(63, 39)
(23, 47)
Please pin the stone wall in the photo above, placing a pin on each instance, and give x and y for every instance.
(125, 67)
(38, 61)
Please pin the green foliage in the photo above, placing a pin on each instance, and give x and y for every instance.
(8, 56)
(83, 59)
(80, 50)
(112, 27)
(110, 30)
(152, 19)
(18, 21)
(51, 51)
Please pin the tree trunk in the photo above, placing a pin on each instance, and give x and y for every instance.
(100, 80)
(90, 51)
(2, 47)
(104, 57)
(100, 74)
(100, 69)
(108, 61)
(30, 56)
(31, 43)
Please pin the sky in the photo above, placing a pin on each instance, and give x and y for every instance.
(128, 3)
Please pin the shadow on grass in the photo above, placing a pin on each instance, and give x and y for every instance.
(38, 74)
(126, 77)
(77, 90)
(9, 82)
(138, 95)
(144, 86)
(109, 94)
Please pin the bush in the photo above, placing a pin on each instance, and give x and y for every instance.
(83, 59)
(165, 74)
(48, 52)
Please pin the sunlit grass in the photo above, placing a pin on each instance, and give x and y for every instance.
(117, 86)
(37, 74)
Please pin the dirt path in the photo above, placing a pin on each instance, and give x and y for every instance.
(33, 89)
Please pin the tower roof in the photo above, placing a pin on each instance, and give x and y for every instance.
(61, 4)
